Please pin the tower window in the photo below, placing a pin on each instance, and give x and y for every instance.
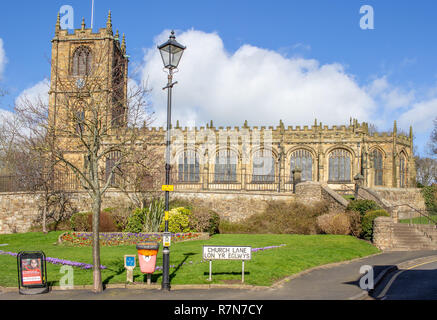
(82, 61)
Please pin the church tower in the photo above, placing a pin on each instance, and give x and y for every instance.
(88, 68)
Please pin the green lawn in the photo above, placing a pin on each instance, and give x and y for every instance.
(299, 253)
(419, 220)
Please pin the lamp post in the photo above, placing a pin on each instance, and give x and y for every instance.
(171, 53)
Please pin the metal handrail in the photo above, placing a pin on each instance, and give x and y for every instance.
(418, 211)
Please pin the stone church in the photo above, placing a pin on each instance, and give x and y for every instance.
(334, 155)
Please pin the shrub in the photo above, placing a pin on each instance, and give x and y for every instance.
(280, 217)
(429, 194)
(362, 206)
(203, 219)
(214, 223)
(367, 222)
(334, 223)
(178, 220)
(120, 217)
(106, 222)
(147, 219)
(136, 221)
(79, 221)
(178, 203)
(154, 215)
(83, 221)
(355, 223)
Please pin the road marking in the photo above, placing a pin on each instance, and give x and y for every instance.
(387, 287)
(421, 264)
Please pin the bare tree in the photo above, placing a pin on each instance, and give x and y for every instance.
(90, 127)
(426, 171)
(433, 140)
(141, 176)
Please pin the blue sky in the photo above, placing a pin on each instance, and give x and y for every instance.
(385, 74)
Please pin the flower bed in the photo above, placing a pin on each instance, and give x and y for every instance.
(124, 238)
(82, 265)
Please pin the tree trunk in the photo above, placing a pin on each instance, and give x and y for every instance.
(44, 218)
(97, 276)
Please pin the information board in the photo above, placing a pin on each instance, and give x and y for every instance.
(32, 272)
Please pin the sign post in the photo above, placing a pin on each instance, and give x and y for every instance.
(32, 272)
(130, 264)
(227, 253)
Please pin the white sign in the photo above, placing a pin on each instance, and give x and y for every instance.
(227, 253)
(166, 239)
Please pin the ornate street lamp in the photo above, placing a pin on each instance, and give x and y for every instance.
(171, 54)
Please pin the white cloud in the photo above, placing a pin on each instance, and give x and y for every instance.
(252, 84)
(3, 58)
(388, 96)
(37, 93)
(420, 116)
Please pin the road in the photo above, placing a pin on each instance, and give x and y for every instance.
(418, 282)
(333, 282)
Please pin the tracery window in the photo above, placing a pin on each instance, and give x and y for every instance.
(402, 171)
(377, 167)
(188, 167)
(111, 161)
(82, 61)
(339, 166)
(225, 169)
(302, 159)
(263, 166)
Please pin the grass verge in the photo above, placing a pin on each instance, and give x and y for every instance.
(300, 252)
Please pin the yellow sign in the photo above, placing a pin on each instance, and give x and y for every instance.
(167, 188)
(166, 216)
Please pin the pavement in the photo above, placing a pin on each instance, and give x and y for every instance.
(338, 281)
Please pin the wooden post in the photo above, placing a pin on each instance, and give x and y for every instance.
(149, 279)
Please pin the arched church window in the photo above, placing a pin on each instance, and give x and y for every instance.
(302, 159)
(339, 166)
(377, 167)
(402, 171)
(82, 61)
(263, 166)
(112, 167)
(225, 169)
(188, 166)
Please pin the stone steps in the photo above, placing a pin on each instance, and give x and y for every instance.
(406, 237)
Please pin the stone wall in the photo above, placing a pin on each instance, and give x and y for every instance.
(311, 191)
(383, 229)
(235, 206)
(19, 211)
(400, 200)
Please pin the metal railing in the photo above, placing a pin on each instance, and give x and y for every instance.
(235, 181)
(426, 214)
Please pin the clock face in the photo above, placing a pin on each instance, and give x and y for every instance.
(80, 83)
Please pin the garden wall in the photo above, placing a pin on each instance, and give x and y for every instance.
(20, 210)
